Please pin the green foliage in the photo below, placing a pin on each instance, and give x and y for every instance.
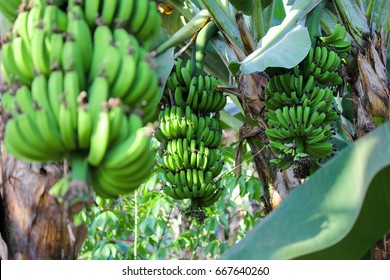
(288, 38)
(150, 225)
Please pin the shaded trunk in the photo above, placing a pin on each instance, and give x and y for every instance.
(370, 86)
(34, 224)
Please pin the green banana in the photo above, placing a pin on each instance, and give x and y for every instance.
(99, 138)
(55, 92)
(124, 11)
(23, 60)
(67, 131)
(108, 11)
(92, 8)
(138, 15)
(81, 34)
(102, 40)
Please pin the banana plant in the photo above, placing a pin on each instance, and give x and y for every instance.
(253, 39)
(246, 47)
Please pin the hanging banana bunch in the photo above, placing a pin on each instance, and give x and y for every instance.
(300, 107)
(190, 133)
(81, 86)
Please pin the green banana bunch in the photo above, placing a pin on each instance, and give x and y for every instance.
(128, 68)
(28, 49)
(198, 92)
(140, 17)
(80, 86)
(49, 129)
(323, 64)
(300, 108)
(127, 163)
(336, 41)
(189, 133)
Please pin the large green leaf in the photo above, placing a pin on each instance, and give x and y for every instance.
(271, 49)
(338, 213)
(165, 64)
(287, 52)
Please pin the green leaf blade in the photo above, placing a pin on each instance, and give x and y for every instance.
(286, 52)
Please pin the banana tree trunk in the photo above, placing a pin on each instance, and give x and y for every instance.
(34, 225)
(370, 86)
(276, 184)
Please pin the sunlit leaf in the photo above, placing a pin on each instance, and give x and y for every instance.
(286, 52)
(270, 51)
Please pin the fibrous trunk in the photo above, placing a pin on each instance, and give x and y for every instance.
(34, 225)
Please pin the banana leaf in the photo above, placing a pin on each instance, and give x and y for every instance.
(339, 213)
(165, 64)
(271, 49)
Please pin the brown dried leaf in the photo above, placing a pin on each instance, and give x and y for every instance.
(246, 36)
(38, 226)
(284, 183)
(252, 87)
(374, 99)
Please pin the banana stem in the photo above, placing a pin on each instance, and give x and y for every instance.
(185, 32)
(299, 144)
(199, 50)
(79, 168)
(257, 20)
(194, 204)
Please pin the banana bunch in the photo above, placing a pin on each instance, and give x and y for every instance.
(139, 17)
(174, 123)
(323, 64)
(300, 108)
(128, 161)
(190, 134)
(83, 91)
(198, 92)
(53, 121)
(45, 38)
(129, 69)
(336, 40)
